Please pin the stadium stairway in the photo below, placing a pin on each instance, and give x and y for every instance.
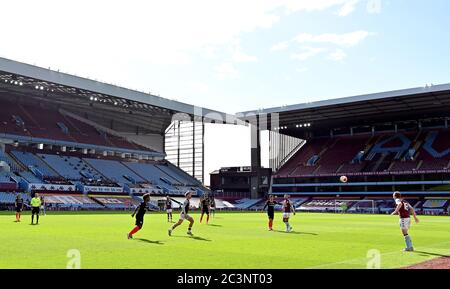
(29, 159)
(15, 167)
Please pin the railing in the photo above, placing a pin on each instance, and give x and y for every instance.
(290, 155)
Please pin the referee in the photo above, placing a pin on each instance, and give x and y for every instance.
(35, 208)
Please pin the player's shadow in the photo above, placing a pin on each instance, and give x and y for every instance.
(296, 233)
(195, 238)
(149, 241)
(431, 254)
(214, 225)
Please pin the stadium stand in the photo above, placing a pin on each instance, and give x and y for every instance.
(30, 177)
(10, 198)
(115, 171)
(152, 173)
(177, 175)
(425, 150)
(303, 161)
(33, 162)
(39, 122)
(342, 150)
(12, 164)
(171, 179)
(68, 142)
(71, 168)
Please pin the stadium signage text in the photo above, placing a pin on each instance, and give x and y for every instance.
(94, 189)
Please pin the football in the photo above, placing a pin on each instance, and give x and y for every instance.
(343, 179)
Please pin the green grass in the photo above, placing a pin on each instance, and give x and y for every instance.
(230, 241)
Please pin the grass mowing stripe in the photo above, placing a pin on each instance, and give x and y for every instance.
(234, 240)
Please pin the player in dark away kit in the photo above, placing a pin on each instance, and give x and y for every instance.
(19, 203)
(270, 205)
(205, 206)
(139, 212)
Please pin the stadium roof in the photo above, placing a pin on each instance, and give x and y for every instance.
(80, 94)
(400, 105)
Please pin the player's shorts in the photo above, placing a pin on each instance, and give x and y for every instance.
(140, 222)
(286, 215)
(205, 211)
(35, 210)
(405, 223)
(18, 209)
(169, 211)
(184, 216)
(271, 215)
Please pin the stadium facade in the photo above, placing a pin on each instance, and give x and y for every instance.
(382, 142)
(87, 144)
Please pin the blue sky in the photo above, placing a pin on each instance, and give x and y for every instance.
(236, 55)
(220, 54)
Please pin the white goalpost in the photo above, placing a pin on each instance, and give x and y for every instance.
(356, 206)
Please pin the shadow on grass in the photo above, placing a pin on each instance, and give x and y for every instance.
(149, 241)
(296, 233)
(214, 225)
(431, 254)
(194, 237)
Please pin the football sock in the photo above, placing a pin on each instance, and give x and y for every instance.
(37, 219)
(408, 241)
(134, 231)
(32, 219)
(201, 218)
(207, 219)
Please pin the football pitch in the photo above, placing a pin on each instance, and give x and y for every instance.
(230, 241)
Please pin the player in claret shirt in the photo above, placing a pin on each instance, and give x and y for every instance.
(288, 208)
(140, 212)
(184, 215)
(168, 205)
(404, 210)
(270, 205)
